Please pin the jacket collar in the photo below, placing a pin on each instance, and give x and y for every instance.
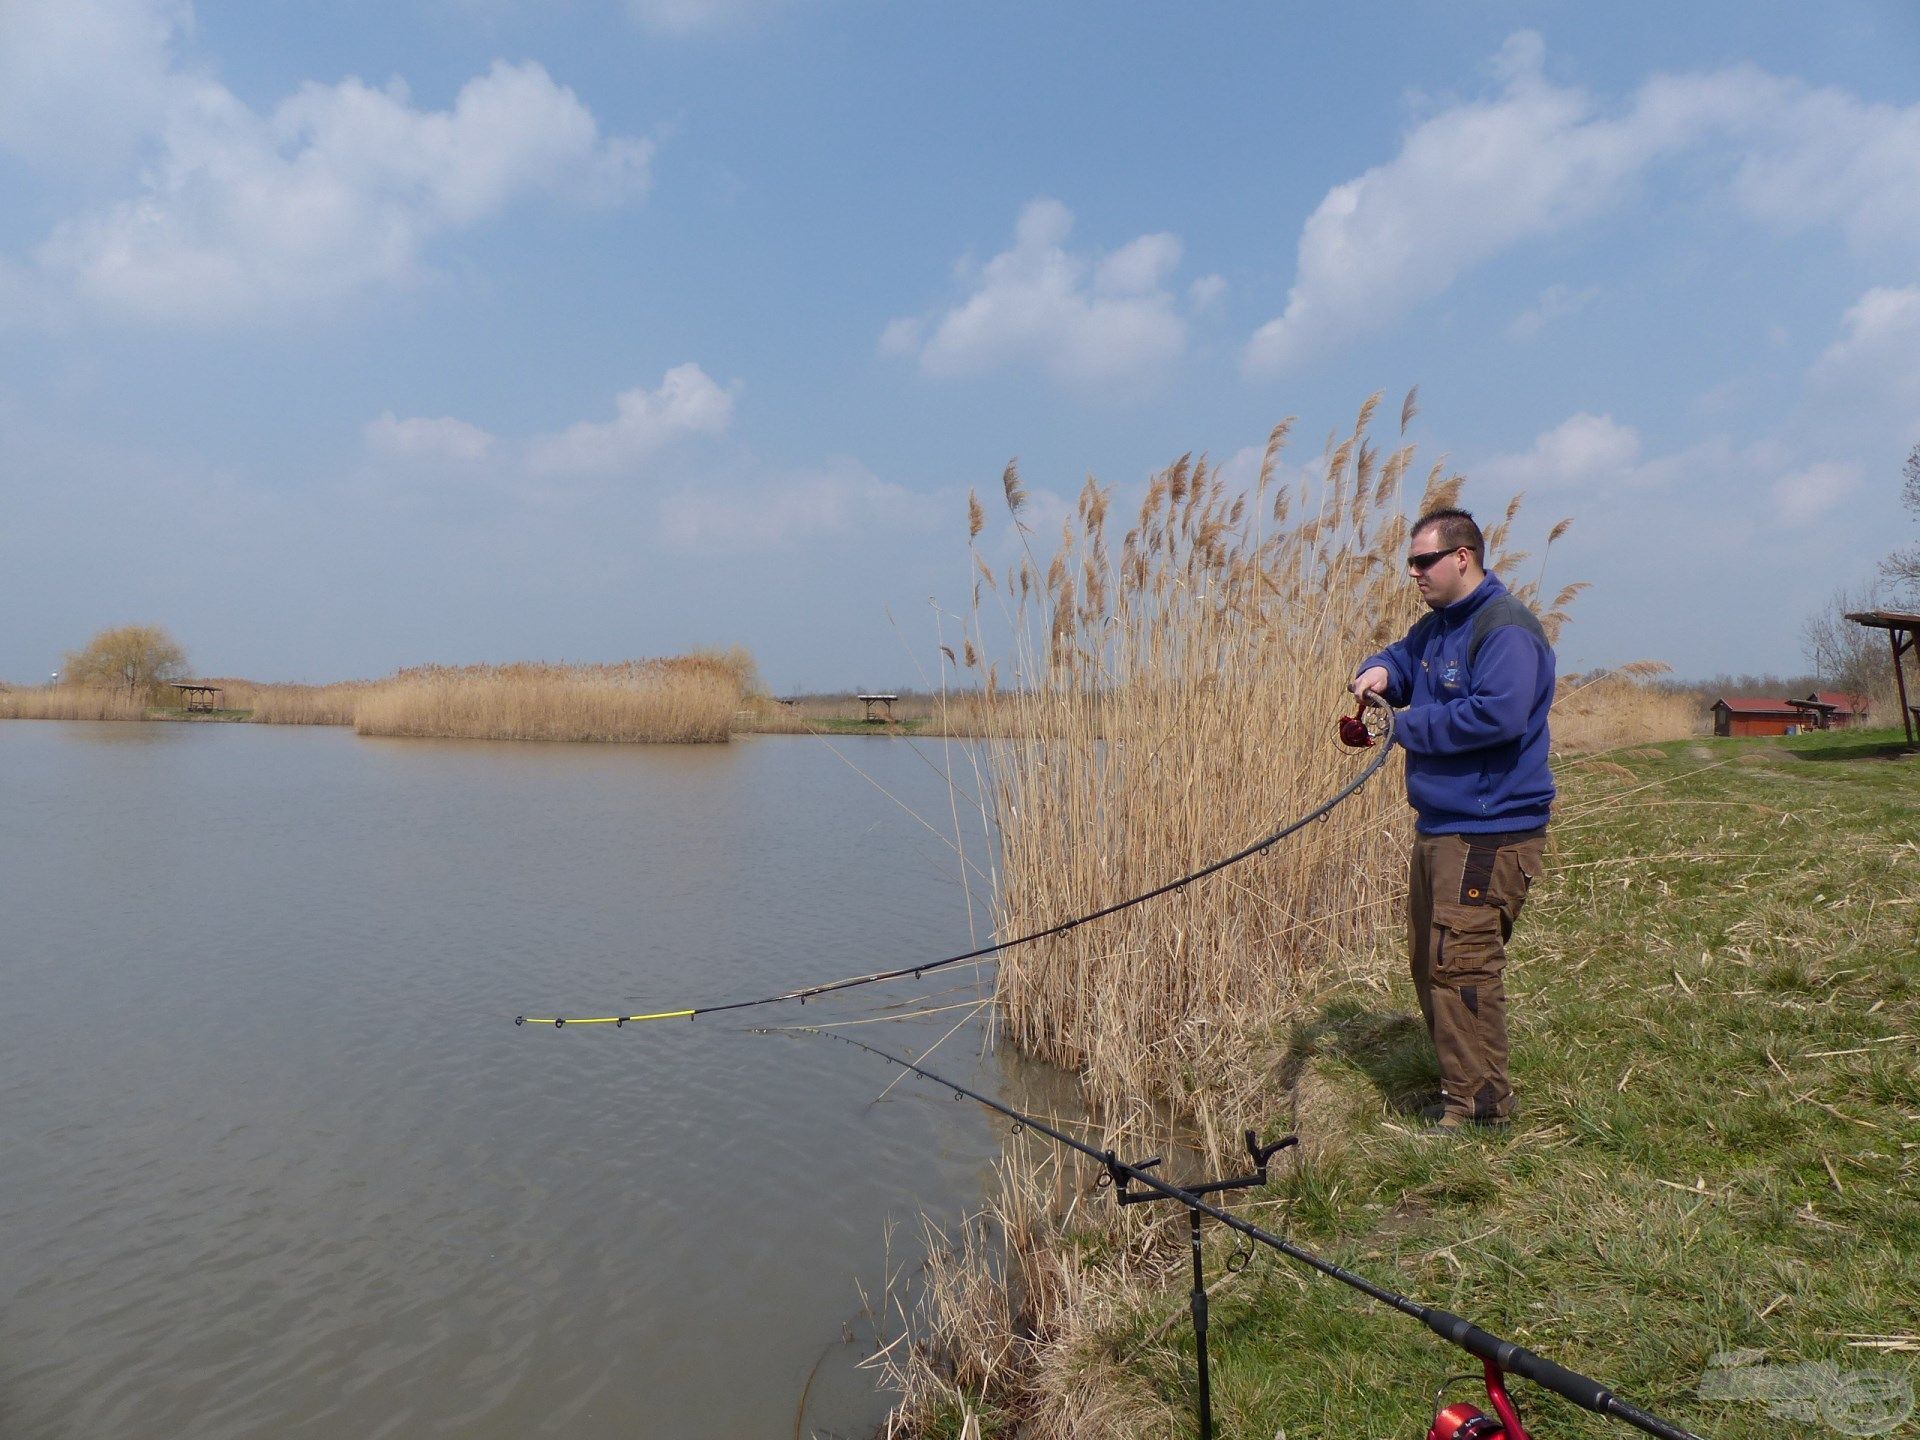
(1460, 610)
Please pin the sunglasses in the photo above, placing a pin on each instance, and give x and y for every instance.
(1427, 560)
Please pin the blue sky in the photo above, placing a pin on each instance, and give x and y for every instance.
(338, 338)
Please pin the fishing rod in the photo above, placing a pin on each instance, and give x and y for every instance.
(1498, 1357)
(1354, 733)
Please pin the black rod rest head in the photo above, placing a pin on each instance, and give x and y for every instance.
(1263, 1153)
(1118, 1171)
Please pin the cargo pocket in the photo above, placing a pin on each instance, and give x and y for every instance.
(1515, 869)
(1471, 947)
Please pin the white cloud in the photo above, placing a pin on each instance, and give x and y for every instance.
(1556, 302)
(1468, 183)
(840, 499)
(1583, 451)
(1484, 176)
(1819, 157)
(1808, 494)
(1087, 321)
(1596, 457)
(1875, 364)
(688, 402)
(1205, 292)
(444, 439)
(83, 81)
(339, 190)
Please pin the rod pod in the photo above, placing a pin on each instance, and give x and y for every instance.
(1118, 1175)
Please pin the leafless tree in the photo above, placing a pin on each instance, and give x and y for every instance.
(1847, 658)
(1903, 566)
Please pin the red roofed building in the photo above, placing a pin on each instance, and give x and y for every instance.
(1759, 717)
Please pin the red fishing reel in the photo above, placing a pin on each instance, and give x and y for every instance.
(1353, 729)
(1464, 1421)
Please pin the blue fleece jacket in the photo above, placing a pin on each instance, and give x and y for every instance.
(1475, 731)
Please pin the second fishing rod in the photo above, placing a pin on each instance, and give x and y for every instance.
(1134, 1183)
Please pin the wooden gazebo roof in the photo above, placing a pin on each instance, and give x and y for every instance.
(1903, 634)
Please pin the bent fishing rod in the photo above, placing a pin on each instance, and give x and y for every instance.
(1498, 1357)
(1353, 733)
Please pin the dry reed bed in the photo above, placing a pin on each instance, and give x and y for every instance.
(1612, 709)
(1181, 687)
(71, 702)
(289, 704)
(686, 699)
(1176, 696)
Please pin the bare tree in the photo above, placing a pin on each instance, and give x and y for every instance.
(1846, 657)
(134, 658)
(1903, 566)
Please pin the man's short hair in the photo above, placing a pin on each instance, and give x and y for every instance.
(1457, 528)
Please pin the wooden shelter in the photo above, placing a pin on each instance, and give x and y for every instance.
(1903, 632)
(885, 701)
(199, 697)
(1830, 710)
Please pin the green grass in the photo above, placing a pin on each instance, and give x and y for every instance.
(1716, 1024)
(168, 712)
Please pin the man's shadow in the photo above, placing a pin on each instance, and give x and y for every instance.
(1388, 1046)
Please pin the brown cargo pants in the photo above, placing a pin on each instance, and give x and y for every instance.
(1465, 892)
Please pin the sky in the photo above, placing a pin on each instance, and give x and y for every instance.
(338, 338)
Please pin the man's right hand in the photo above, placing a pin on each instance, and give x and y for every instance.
(1371, 681)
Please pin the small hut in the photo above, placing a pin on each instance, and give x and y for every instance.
(1757, 717)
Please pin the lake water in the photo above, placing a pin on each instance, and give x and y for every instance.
(278, 1162)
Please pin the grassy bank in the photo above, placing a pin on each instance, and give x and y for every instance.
(1717, 1044)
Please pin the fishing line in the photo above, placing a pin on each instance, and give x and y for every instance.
(805, 993)
(1501, 1356)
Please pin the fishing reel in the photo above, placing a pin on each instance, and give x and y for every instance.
(1463, 1420)
(1353, 728)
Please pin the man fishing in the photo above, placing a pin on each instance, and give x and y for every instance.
(1476, 676)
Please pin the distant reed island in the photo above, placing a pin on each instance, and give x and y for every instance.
(138, 673)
